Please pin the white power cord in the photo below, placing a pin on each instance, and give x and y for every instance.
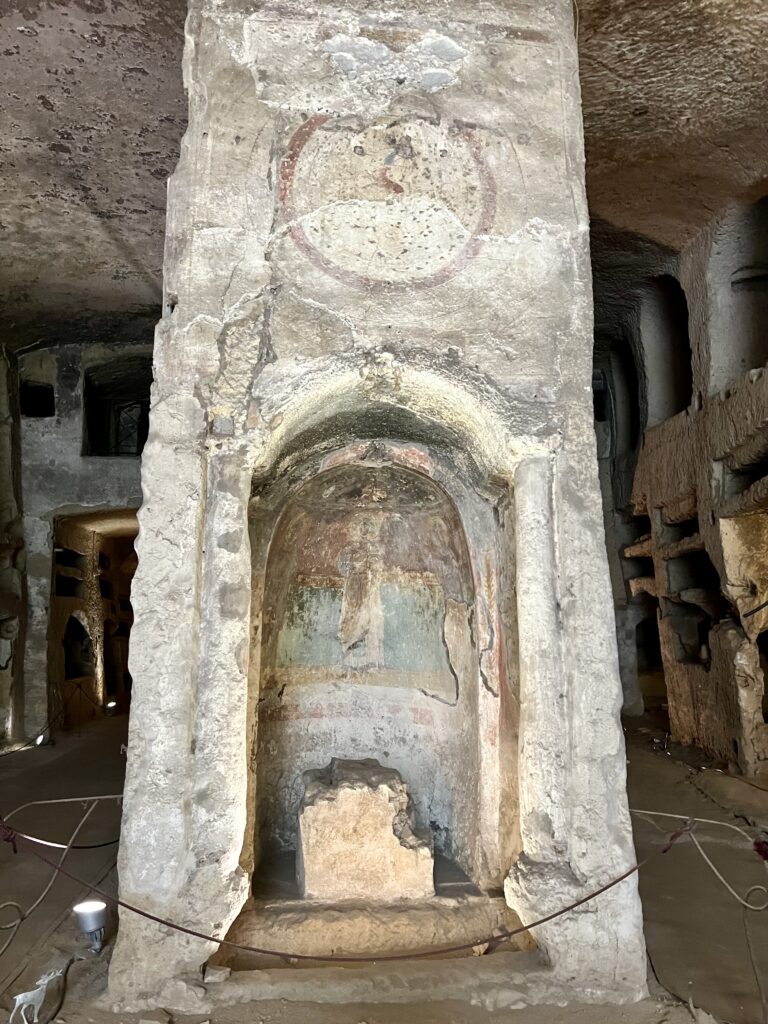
(744, 900)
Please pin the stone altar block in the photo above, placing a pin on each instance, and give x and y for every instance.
(357, 839)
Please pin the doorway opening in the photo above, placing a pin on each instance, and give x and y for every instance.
(91, 615)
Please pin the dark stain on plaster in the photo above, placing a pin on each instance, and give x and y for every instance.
(234, 601)
(228, 481)
(377, 421)
(230, 541)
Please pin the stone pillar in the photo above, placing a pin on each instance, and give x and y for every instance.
(627, 618)
(574, 822)
(377, 232)
(183, 822)
(544, 720)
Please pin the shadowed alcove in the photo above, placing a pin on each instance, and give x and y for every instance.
(367, 648)
(383, 628)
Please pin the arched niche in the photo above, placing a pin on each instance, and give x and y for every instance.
(738, 294)
(665, 338)
(367, 648)
(79, 655)
(383, 625)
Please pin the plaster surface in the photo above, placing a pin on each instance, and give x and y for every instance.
(368, 619)
(306, 321)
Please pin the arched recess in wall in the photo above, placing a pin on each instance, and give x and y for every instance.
(616, 398)
(666, 344)
(79, 656)
(367, 636)
(738, 295)
(384, 625)
(79, 687)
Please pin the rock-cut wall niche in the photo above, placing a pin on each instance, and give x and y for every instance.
(367, 649)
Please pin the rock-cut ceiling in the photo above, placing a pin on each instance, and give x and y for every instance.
(92, 111)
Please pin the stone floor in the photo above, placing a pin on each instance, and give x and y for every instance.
(694, 928)
(77, 764)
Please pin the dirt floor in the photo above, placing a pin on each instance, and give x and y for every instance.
(453, 1013)
(75, 765)
(431, 1013)
(694, 927)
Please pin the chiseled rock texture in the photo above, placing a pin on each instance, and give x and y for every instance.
(357, 839)
(377, 251)
(358, 928)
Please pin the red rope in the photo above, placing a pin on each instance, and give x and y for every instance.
(9, 835)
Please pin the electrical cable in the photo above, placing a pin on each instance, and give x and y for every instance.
(750, 948)
(745, 901)
(22, 915)
(65, 800)
(8, 834)
(754, 611)
(75, 846)
(687, 817)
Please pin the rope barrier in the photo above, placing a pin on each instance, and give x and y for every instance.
(16, 839)
(10, 835)
(41, 732)
(65, 800)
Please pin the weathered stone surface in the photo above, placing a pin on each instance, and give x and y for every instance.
(375, 273)
(700, 479)
(357, 836)
(658, 166)
(365, 929)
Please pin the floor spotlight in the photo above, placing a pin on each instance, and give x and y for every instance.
(92, 920)
(110, 707)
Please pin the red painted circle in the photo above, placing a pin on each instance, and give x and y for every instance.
(483, 225)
